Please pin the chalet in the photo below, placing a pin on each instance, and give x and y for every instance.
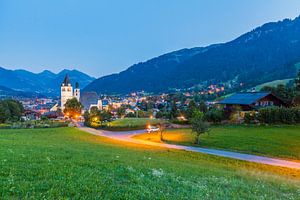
(252, 100)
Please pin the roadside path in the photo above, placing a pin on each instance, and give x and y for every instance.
(126, 136)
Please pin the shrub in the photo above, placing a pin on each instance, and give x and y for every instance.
(214, 115)
(277, 115)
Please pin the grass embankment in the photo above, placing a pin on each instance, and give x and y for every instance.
(274, 141)
(130, 124)
(66, 163)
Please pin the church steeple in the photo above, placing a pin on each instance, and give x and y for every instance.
(77, 91)
(66, 91)
(66, 80)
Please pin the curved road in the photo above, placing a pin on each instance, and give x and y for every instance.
(126, 136)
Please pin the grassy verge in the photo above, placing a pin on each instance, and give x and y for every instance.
(66, 163)
(5, 126)
(130, 124)
(274, 141)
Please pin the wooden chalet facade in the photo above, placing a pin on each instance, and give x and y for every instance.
(248, 101)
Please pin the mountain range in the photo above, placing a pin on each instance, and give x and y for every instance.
(45, 83)
(267, 53)
(10, 93)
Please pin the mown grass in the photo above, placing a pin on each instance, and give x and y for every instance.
(131, 124)
(66, 163)
(274, 141)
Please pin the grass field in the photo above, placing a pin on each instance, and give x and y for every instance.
(131, 123)
(273, 83)
(66, 163)
(274, 141)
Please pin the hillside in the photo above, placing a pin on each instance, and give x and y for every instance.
(9, 93)
(46, 82)
(264, 54)
(273, 83)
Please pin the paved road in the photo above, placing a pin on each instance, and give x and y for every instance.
(126, 136)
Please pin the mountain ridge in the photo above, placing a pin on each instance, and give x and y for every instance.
(270, 50)
(45, 82)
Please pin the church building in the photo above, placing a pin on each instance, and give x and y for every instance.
(67, 92)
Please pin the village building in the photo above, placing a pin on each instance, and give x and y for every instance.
(248, 101)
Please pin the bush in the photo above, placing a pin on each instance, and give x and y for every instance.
(38, 124)
(4, 126)
(277, 115)
(250, 117)
(214, 115)
(180, 122)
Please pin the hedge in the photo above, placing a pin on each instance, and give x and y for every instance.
(277, 115)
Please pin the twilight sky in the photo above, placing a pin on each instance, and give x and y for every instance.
(101, 37)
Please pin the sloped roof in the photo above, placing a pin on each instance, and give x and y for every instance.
(244, 98)
(67, 80)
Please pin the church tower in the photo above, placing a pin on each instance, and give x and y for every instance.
(66, 92)
(77, 91)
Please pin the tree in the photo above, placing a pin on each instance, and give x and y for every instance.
(94, 118)
(104, 116)
(296, 99)
(297, 82)
(73, 108)
(215, 115)
(162, 127)
(121, 112)
(10, 110)
(87, 118)
(197, 115)
(203, 107)
(174, 110)
(199, 126)
(190, 110)
(130, 115)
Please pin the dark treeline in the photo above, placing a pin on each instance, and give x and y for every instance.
(10, 110)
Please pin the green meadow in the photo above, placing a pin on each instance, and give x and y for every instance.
(274, 141)
(130, 123)
(66, 163)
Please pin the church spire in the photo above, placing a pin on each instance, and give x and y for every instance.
(66, 80)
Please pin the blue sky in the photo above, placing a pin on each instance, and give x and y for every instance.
(103, 37)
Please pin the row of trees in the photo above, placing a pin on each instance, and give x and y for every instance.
(10, 111)
(96, 117)
(274, 115)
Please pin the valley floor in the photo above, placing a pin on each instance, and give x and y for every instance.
(69, 163)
